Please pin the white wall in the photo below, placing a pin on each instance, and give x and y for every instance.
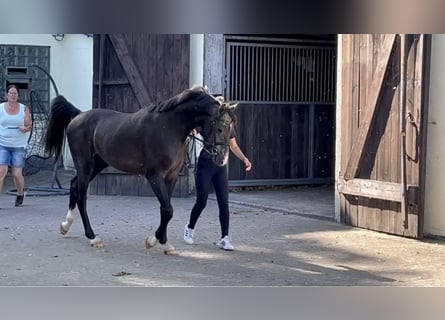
(71, 67)
(71, 63)
(435, 161)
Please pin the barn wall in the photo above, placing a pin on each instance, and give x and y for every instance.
(435, 166)
(163, 70)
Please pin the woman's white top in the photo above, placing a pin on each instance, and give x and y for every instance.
(198, 144)
(10, 135)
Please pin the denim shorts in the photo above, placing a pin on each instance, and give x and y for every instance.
(13, 157)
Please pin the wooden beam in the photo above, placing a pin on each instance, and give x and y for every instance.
(113, 82)
(132, 72)
(101, 70)
(402, 127)
(368, 118)
(421, 85)
(371, 189)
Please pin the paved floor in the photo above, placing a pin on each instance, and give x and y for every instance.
(314, 202)
(282, 238)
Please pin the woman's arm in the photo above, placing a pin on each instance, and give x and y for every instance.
(28, 121)
(240, 155)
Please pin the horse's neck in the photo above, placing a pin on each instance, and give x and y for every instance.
(180, 124)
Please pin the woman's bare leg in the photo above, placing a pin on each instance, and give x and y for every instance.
(19, 180)
(3, 172)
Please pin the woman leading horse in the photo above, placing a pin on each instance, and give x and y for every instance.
(150, 142)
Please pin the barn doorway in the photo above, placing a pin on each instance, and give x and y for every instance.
(285, 86)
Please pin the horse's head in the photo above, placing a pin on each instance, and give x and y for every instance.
(217, 132)
(197, 107)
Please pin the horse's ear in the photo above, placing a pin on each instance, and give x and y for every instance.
(220, 99)
(197, 87)
(233, 106)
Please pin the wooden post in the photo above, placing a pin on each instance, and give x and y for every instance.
(101, 69)
(402, 123)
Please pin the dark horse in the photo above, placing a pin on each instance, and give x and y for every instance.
(150, 142)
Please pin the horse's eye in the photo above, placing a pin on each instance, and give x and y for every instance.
(220, 130)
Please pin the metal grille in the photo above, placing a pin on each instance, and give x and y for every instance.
(23, 56)
(280, 73)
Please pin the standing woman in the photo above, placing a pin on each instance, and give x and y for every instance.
(15, 125)
(207, 174)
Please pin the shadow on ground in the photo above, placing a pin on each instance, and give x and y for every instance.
(274, 247)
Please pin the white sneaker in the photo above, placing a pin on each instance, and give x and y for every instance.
(188, 234)
(225, 244)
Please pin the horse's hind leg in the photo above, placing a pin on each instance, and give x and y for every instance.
(65, 226)
(74, 198)
(78, 196)
(82, 187)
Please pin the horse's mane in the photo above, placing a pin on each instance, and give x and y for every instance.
(196, 92)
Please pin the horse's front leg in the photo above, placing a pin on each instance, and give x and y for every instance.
(161, 191)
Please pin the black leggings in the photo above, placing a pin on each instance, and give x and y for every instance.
(207, 172)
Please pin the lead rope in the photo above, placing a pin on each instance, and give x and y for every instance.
(206, 143)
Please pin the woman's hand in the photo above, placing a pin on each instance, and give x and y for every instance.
(247, 164)
(25, 129)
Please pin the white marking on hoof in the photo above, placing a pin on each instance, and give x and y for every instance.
(96, 243)
(169, 249)
(65, 226)
(63, 231)
(151, 242)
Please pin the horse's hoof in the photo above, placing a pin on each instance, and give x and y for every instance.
(151, 242)
(170, 250)
(96, 243)
(63, 231)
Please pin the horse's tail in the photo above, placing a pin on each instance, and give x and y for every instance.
(62, 112)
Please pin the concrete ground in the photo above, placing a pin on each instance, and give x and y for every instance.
(282, 238)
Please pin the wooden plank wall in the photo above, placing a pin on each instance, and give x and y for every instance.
(284, 141)
(162, 63)
(382, 159)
